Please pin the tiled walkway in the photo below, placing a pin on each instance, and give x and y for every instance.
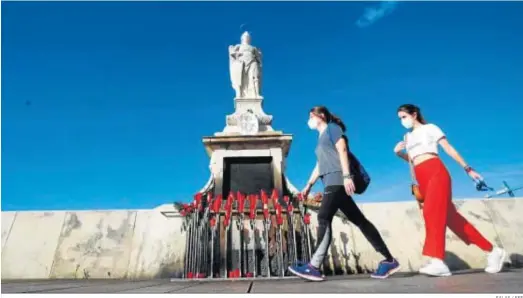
(510, 281)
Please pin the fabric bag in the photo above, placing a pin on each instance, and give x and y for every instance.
(414, 187)
(360, 176)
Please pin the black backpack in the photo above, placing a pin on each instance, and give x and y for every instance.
(360, 176)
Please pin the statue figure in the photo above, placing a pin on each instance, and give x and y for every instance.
(245, 68)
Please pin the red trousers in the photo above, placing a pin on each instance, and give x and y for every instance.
(439, 211)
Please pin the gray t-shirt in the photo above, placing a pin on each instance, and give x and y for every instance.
(329, 164)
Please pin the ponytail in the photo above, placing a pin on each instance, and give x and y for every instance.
(339, 122)
(328, 116)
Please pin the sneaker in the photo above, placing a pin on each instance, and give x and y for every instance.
(495, 260)
(306, 271)
(386, 269)
(435, 267)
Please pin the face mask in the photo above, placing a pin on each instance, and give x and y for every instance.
(313, 123)
(407, 123)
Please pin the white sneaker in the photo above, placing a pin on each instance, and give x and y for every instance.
(495, 260)
(435, 267)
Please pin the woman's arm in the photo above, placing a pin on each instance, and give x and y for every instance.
(400, 148)
(452, 152)
(403, 156)
(348, 183)
(314, 175)
(341, 146)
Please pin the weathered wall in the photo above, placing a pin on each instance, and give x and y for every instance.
(508, 218)
(147, 244)
(94, 244)
(31, 245)
(158, 246)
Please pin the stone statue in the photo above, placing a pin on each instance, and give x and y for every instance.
(245, 68)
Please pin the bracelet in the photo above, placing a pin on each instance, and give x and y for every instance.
(468, 169)
(347, 176)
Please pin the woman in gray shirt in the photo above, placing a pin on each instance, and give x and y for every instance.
(333, 168)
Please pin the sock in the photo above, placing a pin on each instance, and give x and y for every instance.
(388, 256)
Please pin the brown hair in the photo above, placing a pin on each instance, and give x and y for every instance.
(328, 116)
(411, 110)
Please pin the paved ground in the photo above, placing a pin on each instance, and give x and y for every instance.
(510, 281)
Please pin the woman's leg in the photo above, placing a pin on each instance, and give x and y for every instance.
(465, 230)
(437, 193)
(470, 235)
(435, 186)
(354, 214)
(326, 213)
(328, 209)
(350, 209)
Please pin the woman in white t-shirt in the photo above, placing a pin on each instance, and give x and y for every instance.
(421, 146)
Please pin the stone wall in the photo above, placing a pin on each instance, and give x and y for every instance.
(142, 244)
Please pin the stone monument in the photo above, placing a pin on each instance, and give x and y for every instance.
(245, 67)
(248, 150)
(248, 155)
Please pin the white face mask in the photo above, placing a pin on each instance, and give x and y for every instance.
(313, 123)
(407, 123)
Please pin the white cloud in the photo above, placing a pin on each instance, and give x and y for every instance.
(374, 13)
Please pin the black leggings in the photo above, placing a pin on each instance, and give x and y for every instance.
(334, 198)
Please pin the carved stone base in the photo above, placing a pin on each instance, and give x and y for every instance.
(263, 145)
(247, 105)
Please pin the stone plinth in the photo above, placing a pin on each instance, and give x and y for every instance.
(247, 105)
(274, 144)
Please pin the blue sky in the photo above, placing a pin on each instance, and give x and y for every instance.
(104, 104)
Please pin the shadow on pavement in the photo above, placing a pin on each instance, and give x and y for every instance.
(455, 262)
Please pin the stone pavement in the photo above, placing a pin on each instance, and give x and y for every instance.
(470, 281)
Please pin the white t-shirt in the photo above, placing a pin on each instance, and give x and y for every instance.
(423, 139)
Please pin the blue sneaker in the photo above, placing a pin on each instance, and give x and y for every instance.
(306, 271)
(386, 269)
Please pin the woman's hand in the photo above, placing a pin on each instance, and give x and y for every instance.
(306, 190)
(399, 147)
(474, 175)
(349, 186)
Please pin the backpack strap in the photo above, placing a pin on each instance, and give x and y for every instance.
(343, 136)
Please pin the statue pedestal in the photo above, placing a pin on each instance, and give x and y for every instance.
(246, 164)
(241, 107)
(236, 162)
(243, 104)
(248, 139)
